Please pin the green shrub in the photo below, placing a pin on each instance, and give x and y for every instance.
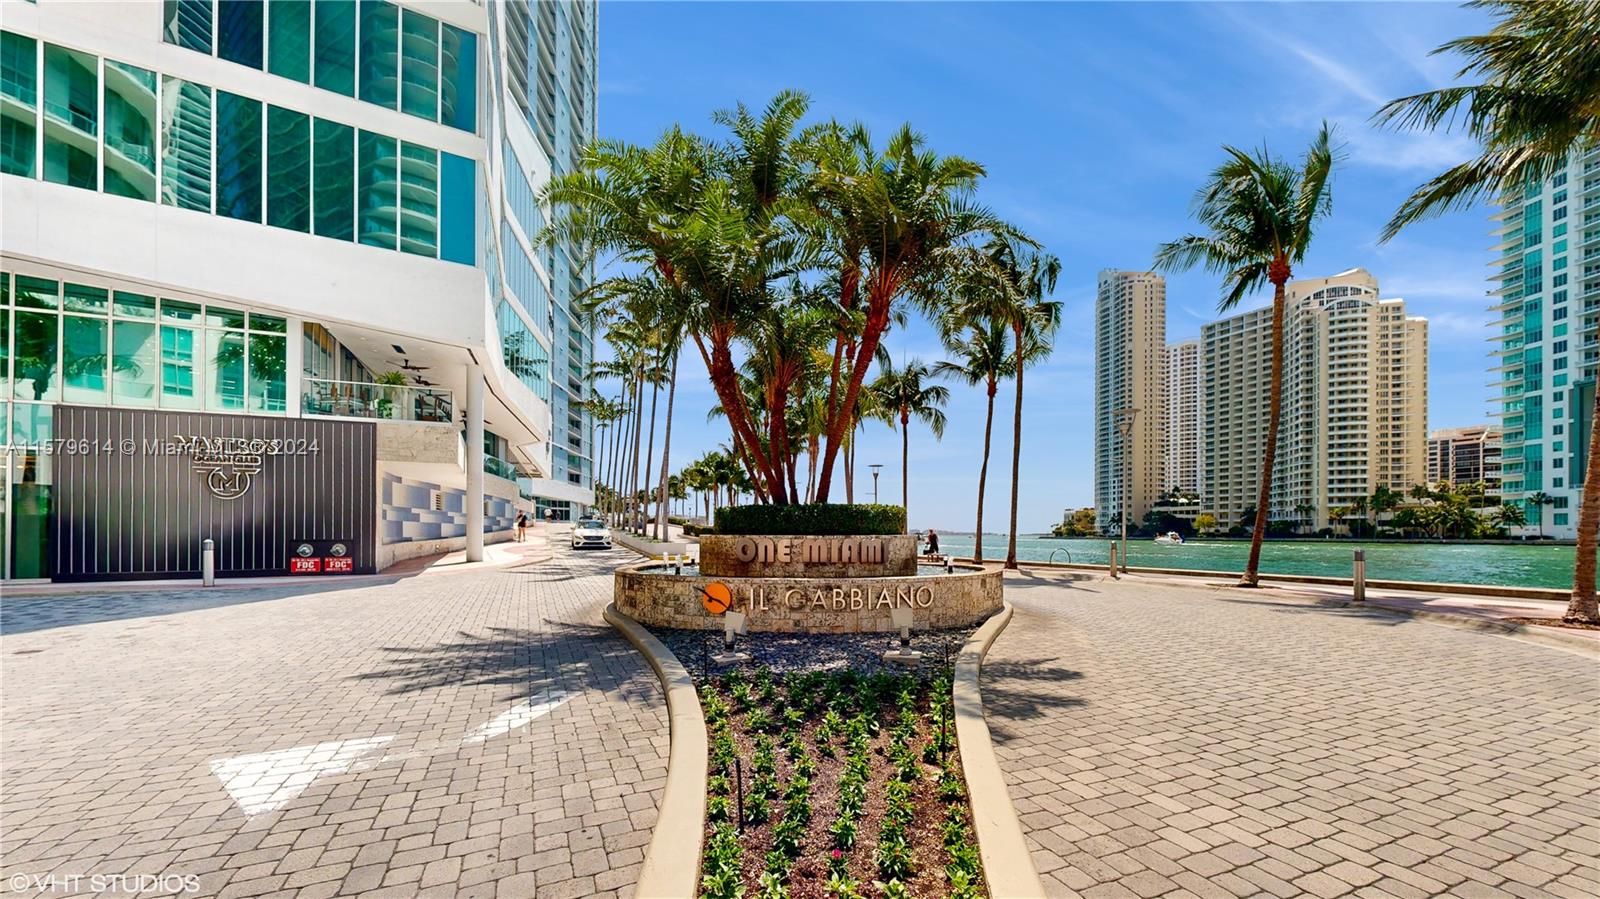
(813, 520)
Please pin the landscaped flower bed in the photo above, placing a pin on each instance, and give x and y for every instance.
(851, 788)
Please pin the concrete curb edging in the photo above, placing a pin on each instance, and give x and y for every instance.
(672, 860)
(1545, 636)
(1007, 864)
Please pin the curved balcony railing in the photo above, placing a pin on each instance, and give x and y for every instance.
(361, 399)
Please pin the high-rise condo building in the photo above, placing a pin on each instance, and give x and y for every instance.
(1547, 289)
(1465, 456)
(1354, 414)
(1130, 385)
(1185, 414)
(268, 278)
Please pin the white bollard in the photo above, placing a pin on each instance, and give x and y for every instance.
(208, 562)
(1359, 580)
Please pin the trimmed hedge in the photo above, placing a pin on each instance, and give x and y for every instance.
(813, 520)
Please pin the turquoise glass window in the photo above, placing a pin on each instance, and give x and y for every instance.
(456, 225)
(133, 363)
(83, 298)
(71, 117)
(335, 47)
(225, 370)
(19, 119)
(36, 376)
(458, 78)
(380, 53)
(177, 368)
(129, 157)
(187, 23)
(419, 68)
(37, 293)
(83, 359)
(288, 169)
(334, 179)
(240, 32)
(377, 193)
(268, 365)
(289, 39)
(419, 200)
(186, 144)
(238, 157)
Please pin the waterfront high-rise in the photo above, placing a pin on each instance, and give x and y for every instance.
(1354, 414)
(1547, 296)
(279, 258)
(1466, 455)
(1185, 415)
(1130, 388)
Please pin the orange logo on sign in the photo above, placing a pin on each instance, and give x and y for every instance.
(717, 598)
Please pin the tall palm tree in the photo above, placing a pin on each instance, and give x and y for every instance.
(909, 394)
(1260, 213)
(1538, 501)
(981, 357)
(1509, 515)
(1535, 99)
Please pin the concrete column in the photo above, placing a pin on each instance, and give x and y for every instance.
(294, 367)
(474, 463)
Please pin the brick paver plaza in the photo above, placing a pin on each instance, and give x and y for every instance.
(484, 734)
(1171, 741)
(480, 734)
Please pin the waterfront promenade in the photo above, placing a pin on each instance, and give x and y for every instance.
(1162, 737)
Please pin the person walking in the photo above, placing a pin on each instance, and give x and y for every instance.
(522, 526)
(933, 542)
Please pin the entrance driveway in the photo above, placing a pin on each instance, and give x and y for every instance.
(1174, 740)
(475, 734)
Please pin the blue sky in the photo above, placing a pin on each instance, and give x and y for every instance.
(1096, 123)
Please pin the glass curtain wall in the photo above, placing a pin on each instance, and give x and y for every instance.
(129, 158)
(19, 113)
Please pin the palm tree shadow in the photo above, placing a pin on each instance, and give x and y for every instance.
(1323, 607)
(1016, 691)
(566, 657)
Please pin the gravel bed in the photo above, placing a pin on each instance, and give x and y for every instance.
(811, 652)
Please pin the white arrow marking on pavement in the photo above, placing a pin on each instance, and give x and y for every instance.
(266, 780)
(520, 715)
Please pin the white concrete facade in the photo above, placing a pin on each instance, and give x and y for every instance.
(1130, 374)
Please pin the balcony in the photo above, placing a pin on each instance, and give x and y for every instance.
(500, 468)
(385, 402)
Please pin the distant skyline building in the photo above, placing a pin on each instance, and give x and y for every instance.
(1465, 456)
(1130, 373)
(1354, 414)
(1185, 414)
(1547, 287)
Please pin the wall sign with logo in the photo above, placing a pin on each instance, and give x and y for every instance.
(321, 557)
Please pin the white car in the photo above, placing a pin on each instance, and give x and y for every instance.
(591, 533)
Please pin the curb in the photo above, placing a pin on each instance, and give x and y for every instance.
(1545, 636)
(672, 860)
(1007, 863)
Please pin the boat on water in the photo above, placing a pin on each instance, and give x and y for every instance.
(1170, 538)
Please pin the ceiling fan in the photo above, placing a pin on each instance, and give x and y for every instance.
(405, 365)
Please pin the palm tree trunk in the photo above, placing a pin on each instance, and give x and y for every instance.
(850, 469)
(633, 480)
(1252, 577)
(983, 476)
(650, 453)
(1585, 607)
(1016, 451)
(666, 447)
(905, 461)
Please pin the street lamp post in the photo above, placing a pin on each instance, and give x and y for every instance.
(1124, 419)
(876, 467)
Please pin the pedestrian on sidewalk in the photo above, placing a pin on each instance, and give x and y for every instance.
(522, 526)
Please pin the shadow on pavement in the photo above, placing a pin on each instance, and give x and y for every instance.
(1371, 614)
(26, 614)
(570, 657)
(1016, 691)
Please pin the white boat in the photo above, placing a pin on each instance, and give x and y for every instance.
(1172, 538)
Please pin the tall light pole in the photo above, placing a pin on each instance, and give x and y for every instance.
(1124, 419)
(876, 467)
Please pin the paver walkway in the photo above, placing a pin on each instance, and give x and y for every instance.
(480, 734)
(1163, 740)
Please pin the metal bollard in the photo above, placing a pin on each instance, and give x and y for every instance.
(1113, 560)
(208, 562)
(1359, 581)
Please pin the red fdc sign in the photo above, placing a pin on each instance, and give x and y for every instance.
(305, 566)
(338, 564)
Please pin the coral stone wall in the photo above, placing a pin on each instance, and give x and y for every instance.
(801, 556)
(813, 604)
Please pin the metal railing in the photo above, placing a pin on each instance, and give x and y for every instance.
(362, 399)
(500, 468)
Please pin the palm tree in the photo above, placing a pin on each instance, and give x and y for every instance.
(1304, 511)
(1537, 98)
(1383, 499)
(1538, 501)
(981, 358)
(1508, 515)
(1260, 213)
(907, 392)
